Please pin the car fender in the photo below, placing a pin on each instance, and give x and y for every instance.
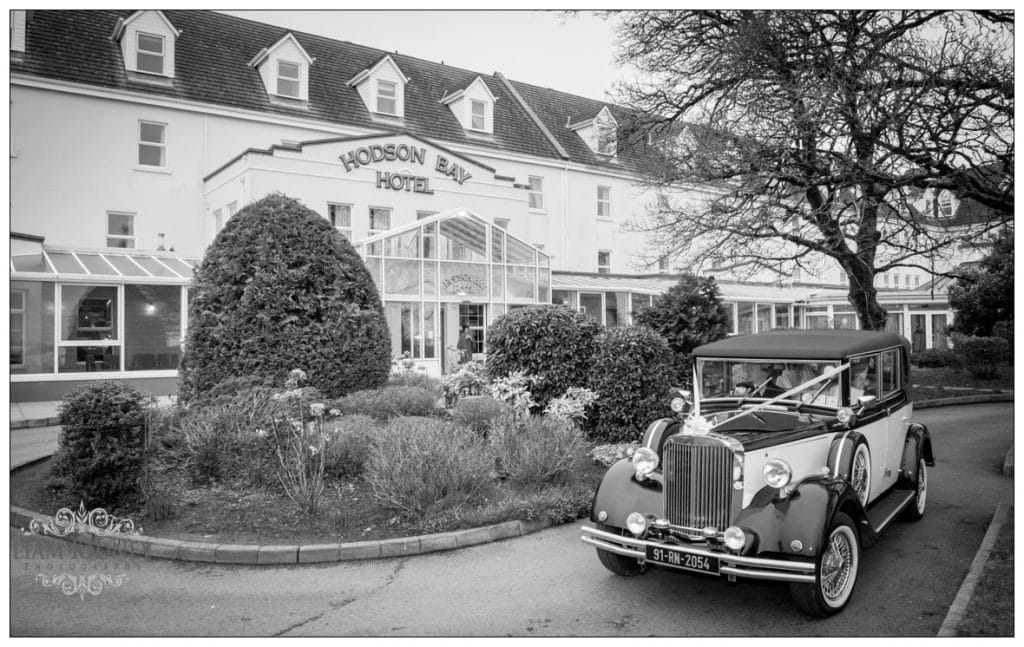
(620, 494)
(840, 454)
(657, 432)
(918, 444)
(798, 523)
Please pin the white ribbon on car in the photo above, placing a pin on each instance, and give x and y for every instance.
(828, 373)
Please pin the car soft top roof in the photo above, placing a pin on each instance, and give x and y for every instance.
(802, 344)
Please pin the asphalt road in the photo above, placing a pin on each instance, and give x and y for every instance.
(547, 583)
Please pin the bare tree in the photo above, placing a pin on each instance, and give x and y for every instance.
(806, 134)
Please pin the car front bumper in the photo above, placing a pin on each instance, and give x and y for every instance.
(757, 568)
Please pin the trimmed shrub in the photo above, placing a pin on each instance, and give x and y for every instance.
(551, 342)
(389, 402)
(101, 447)
(631, 372)
(934, 358)
(535, 451)
(477, 413)
(278, 288)
(348, 445)
(981, 356)
(419, 466)
(688, 315)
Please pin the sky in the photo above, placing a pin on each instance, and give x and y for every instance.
(572, 53)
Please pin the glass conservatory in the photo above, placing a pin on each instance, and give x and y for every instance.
(447, 273)
(95, 314)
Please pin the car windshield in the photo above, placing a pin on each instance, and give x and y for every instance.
(732, 378)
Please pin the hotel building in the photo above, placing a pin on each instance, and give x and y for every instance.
(136, 135)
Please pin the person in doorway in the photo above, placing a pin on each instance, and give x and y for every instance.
(465, 345)
(917, 339)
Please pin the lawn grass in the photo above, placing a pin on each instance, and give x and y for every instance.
(990, 611)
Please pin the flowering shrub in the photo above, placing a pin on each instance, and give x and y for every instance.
(470, 379)
(299, 442)
(572, 406)
(514, 390)
(612, 453)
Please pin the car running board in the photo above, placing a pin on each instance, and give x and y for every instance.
(885, 511)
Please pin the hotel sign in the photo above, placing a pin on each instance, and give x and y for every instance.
(366, 155)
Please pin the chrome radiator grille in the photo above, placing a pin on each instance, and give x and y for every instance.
(698, 483)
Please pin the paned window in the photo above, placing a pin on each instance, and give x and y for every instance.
(536, 192)
(380, 220)
(604, 202)
(120, 229)
(387, 101)
(288, 79)
(149, 53)
(152, 146)
(604, 262)
(340, 216)
(478, 115)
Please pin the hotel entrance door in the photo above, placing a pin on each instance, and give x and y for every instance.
(455, 317)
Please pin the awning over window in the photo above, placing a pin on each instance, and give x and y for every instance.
(93, 265)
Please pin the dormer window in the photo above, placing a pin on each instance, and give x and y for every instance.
(599, 131)
(473, 106)
(284, 68)
(945, 205)
(289, 79)
(149, 53)
(382, 89)
(387, 97)
(147, 41)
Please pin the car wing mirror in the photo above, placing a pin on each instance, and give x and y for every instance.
(865, 400)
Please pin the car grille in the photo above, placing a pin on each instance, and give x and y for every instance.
(698, 482)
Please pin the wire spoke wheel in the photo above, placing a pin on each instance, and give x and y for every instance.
(836, 576)
(860, 473)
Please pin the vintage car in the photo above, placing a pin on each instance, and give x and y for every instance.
(795, 449)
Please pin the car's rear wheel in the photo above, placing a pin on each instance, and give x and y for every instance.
(835, 572)
(618, 564)
(915, 510)
(860, 473)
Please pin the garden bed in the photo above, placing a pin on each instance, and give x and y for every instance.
(928, 383)
(348, 511)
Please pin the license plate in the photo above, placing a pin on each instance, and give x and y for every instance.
(679, 559)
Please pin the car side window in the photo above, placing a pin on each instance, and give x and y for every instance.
(890, 372)
(863, 377)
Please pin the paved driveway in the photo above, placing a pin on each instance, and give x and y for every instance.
(543, 584)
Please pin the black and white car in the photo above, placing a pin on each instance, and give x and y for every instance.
(795, 450)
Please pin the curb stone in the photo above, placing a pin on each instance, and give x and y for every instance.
(963, 595)
(256, 554)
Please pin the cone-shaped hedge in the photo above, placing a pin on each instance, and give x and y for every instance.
(279, 288)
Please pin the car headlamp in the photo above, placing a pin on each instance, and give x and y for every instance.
(678, 405)
(645, 461)
(777, 473)
(845, 416)
(734, 538)
(636, 523)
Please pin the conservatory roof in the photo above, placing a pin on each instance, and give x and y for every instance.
(90, 265)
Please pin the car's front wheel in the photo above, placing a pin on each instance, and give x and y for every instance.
(860, 473)
(915, 510)
(618, 564)
(835, 572)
